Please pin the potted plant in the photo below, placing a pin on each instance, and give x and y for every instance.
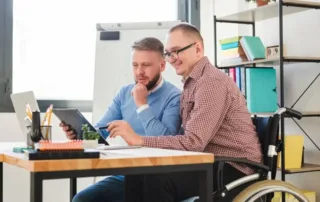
(90, 138)
(261, 2)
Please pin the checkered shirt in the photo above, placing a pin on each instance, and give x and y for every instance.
(215, 118)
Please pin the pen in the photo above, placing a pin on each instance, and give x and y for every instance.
(28, 110)
(101, 128)
(49, 114)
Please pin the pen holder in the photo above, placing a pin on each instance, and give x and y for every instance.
(45, 131)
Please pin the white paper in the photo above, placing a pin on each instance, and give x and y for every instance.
(116, 141)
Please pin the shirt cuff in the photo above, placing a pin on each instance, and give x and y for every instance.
(149, 141)
(142, 107)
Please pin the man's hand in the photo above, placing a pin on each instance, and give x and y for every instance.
(69, 131)
(140, 94)
(123, 129)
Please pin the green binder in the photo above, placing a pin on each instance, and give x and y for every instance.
(261, 86)
(253, 47)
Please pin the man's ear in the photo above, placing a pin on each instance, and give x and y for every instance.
(198, 48)
(163, 65)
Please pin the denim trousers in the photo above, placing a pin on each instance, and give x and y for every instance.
(110, 189)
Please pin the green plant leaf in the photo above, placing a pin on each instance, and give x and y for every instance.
(87, 134)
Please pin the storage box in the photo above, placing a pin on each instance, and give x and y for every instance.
(293, 151)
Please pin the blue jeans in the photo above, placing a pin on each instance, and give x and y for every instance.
(110, 189)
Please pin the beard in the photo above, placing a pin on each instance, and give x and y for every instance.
(152, 83)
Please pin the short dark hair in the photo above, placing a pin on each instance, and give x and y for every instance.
(150, 44)
(187, 29)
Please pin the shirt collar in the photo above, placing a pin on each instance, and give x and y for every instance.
(196, 72)
(157, 87)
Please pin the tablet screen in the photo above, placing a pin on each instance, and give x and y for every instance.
(74, 118)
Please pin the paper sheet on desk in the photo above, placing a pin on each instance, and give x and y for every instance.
(150, 152)
(116, 141)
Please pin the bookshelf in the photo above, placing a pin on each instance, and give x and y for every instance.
(306, 168)
(249, 17)
(270, 11)
(273, 61)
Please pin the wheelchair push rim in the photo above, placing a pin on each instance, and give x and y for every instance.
(259, 189)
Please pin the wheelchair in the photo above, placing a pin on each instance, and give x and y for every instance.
(262, 184)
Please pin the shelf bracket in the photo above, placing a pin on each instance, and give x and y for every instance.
(305, 90)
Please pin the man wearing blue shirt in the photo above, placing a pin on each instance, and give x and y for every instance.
(150, 106)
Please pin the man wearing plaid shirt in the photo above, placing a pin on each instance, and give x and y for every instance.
(214, 116)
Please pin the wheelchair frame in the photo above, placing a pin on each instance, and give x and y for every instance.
(266, 172)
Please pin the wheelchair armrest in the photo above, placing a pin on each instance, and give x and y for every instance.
(242, 161)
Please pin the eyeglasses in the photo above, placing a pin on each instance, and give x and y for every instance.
(175, 54)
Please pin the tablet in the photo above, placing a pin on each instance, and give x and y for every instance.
(74, 118)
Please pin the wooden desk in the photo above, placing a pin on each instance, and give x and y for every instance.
(114, 162)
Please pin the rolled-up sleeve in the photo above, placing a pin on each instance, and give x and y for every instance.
(211, 102)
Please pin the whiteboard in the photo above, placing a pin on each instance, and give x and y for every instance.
(113, 67)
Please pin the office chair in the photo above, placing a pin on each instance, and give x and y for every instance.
(261, 185)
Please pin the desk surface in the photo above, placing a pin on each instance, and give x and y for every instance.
(109, 159)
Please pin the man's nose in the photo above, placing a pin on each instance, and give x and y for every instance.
(140, 70)
(172, 60)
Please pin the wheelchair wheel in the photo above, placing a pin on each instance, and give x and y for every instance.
(260, 189)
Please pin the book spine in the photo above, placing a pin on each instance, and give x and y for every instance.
(248, 90)
(230, 45)
(238, 77)
(232, 74)
(243, 81)
(246, 49)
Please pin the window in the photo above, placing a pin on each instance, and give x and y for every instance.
(54, 41)
(5, 55)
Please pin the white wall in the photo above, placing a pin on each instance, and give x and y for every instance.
(301, 32)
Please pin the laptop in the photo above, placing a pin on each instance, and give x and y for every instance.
(19, 102)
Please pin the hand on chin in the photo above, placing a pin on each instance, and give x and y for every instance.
(140, 94)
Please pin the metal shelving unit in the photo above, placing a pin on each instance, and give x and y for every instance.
(275, 10)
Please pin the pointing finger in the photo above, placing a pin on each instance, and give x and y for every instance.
(114, 132)
(112, 125)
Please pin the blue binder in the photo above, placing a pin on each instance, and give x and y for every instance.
(261, 86)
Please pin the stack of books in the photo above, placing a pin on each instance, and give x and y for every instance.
(232, 51)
